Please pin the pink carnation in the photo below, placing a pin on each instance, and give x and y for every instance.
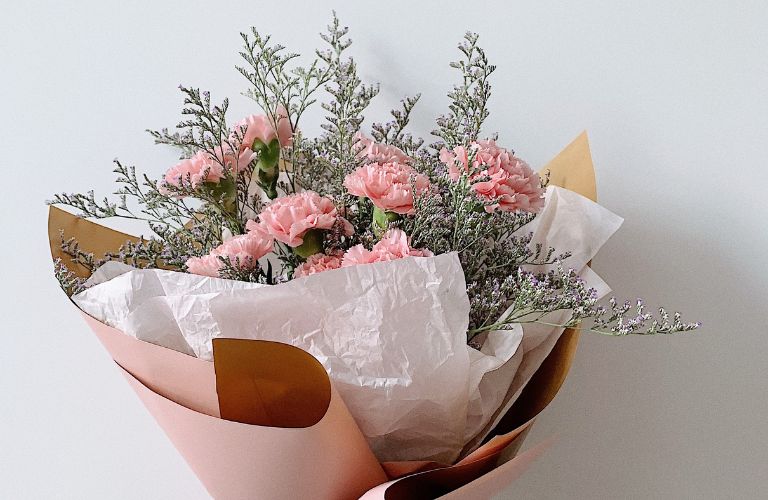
(378, 153)
(202, 167)
(506, 179)
(243, 251)
(288, 219)
(235, 161)
(390, 186)
(257, 229)
(317, 264)
(394, 245)
(207, 265)
(246, 249)
(262, 127)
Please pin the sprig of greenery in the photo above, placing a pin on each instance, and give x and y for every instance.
(155, 207)
(393, 132)
(469, 101)
(349, 99)
(69, 281)
(534, 297)
(275, 81)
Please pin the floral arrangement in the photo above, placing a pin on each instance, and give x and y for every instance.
(434, 281)
(258, 201)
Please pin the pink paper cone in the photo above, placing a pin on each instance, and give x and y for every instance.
(329, 459)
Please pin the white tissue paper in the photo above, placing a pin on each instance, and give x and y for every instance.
(391, 335)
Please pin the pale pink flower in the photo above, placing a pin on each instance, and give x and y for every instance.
(317, 264)
(235, 161)
(376, 152)
(497, 175)
(242, 251)
(245, 249)
(390, 186)
(202, 167)
(257, 229)
(394, 245)
(287, 219)
(284, 130)
(207, 265)
(262, 127)
(358, 254)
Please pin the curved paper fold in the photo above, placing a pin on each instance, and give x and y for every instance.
(327, 459)
(440, 480)
(93, 238)
(269, 383)
(231, 458)
(489, 485)
(186, 380)
(571, 169)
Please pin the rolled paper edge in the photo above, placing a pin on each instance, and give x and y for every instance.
(234, 460)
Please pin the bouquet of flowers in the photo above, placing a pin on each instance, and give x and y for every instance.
(358, 311)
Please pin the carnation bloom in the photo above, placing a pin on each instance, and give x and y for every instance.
(235, 161)
(394, 245)
(497, 175)
(378, 153)
(262, 127)
(202, 167)
(257, 229)
(245, 249)
(287, 219)
(207, 265)
(317, 264)
(242, 251)
(390, 186)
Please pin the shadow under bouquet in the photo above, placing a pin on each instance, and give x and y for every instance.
(353, 314)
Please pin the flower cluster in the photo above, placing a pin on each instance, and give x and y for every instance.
(374, 152)
(263, 129)
(290, 218)
(193, 172)
(390, 186)
(259, 201)
(392, 246)
(242, 252)
(498, 177)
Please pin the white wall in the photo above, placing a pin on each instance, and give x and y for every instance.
(673, 95)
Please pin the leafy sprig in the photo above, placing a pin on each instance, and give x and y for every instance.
(69, 281)
(469, 100)
(393, 132)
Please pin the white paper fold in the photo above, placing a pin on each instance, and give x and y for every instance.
(568, 222)
(391, 335)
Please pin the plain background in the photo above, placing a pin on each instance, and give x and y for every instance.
(673, 95)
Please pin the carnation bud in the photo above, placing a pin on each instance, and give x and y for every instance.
(268, 166)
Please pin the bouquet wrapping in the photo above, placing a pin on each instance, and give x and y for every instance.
(247, 398)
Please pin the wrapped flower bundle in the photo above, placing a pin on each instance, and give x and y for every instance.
(358, 314)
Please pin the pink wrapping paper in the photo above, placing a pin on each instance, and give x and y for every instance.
(329, 459)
